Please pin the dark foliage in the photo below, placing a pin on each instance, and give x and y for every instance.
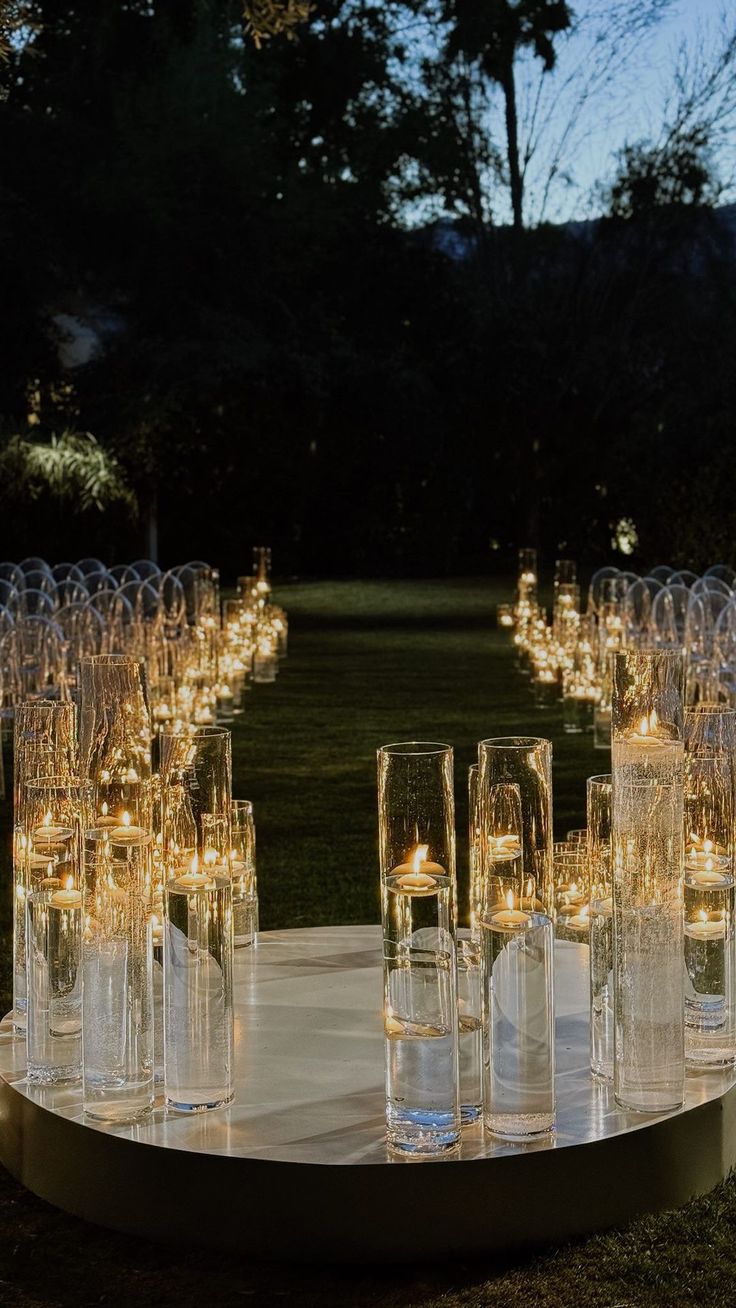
(282, 361)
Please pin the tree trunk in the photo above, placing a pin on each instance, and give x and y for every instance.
(512, 148)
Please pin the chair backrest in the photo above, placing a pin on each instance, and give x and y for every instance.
(711, 586)
(669, 615)
(723, 572)
(683, 578)
(37, 603)
(146, 569)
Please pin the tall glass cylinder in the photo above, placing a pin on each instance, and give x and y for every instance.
(196, 796)
(470, 1025)
(420, 1011)
(526, 762)
(243, 873)
(710, 940)
(647, 825)
(117, 976)
(44, 745)
(518, 1015)
(601, 926)
(115, 735)
(475, 866)
(198, 989)
(55, 815)
(416, 809)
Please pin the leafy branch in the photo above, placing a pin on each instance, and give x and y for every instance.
(72, 468)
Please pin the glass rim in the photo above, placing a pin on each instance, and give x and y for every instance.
(514, 742)
(600, 780)
(649, 655)
(59, 783)
(45, 704)
(709, 709)
(111, 660)
(200, 732)
(415, 748)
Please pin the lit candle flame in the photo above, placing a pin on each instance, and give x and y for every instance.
(47, 818)
(126, 819)
(104, 808)
(420, 856)
(510, 899)
(69, 884)
(194, 865)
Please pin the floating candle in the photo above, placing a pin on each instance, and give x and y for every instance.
(50, 833)
(69, 897)
(510, 918)
(194, 879)
(706, 928)
(579, 921)
(419, 875)
(127, 834)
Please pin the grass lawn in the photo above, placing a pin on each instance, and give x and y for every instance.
(371, 663)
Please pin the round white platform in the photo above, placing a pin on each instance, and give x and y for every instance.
(297, 1167)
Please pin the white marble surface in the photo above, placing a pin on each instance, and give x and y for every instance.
(309, 1061)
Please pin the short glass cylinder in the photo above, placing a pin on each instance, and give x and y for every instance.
(710, 939)
(572, 892)
(420, 1013)
(416, 808)
(647, 823)
(198, 990)
(117, 991)
(518, 1019)
(526, 762)
(243, 873)
(601, 926)
(44, 745)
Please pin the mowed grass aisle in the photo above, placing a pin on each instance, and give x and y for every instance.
(370, 663)
(373, 662)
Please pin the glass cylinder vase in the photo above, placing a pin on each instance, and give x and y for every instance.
(518, 1014)
(196, 796)
(44, 745)
(243, 873)
(416, 810)
(710, 939)
(198, 989)
(647, 753)
(117, 976)
(115, 734)
(601, 926)
(420, 1012)
(55, 815)
(526, 762)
